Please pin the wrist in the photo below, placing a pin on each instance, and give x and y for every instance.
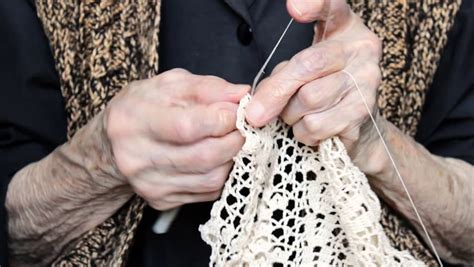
(107, 149)
(92, 148)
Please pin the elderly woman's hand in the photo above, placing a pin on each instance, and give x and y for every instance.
(173, 136)
(312, 92)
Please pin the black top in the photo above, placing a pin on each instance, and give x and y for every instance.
(227, 38)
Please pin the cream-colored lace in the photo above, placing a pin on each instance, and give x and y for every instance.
(290, 204)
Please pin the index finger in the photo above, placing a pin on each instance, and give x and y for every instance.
(189, 124)
(273, 93)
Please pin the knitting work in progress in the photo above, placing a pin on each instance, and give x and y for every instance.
(290, 204)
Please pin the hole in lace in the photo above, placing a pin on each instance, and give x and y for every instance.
(231, 200)
(311, 176)
(277, 232)
(277, 215)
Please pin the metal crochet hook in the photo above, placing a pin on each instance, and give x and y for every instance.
(262, 70)
(166, 218)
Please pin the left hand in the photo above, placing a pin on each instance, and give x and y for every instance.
(310, 92)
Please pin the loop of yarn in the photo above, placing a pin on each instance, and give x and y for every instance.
(289, 204)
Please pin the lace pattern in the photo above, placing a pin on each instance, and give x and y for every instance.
(289, 204)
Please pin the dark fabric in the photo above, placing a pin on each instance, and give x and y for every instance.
(447, 124)
(207, 40)
(201, 36)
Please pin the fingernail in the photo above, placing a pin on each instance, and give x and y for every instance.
(254, 112)
(297, 6)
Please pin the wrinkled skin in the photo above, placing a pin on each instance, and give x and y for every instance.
(171, 140)
(174, 136)
(311, 92)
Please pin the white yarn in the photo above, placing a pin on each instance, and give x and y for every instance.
(289, 204)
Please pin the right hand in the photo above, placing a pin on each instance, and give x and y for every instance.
(173, 136)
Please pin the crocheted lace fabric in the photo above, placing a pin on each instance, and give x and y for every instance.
(289, 204)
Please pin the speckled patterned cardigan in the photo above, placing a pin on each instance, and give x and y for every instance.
(101, 45)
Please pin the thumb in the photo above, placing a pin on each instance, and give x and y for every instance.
(336, 11)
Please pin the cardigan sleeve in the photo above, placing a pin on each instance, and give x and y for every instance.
(32, 116)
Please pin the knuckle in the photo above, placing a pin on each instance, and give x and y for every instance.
(378, 46)
(377, 75)
(372, 101)
(127, 167)
(137, 84)
(286, 117)
(373, 70)
(327, 131)
(114, 122)
(280, 66)
(298, 133)
(280, 91)
(371, 75)
(213, 79)
(184, 129)
(207, 159)
(146, 191)
(309, 133)
(210, 81)
(178, 71)
(311, 60)
(165, 77)
(215, 195)
(373, 80)
(307, 96)
(370, 78)
(309, 124)
(304, 137)
(161, 78)
(171, 75)
(215, 182)
(117, 136)
(374, 44)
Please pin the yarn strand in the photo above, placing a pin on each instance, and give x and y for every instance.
(402, 181)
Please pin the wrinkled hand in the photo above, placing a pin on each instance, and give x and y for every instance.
(173, 136)
(311, 92)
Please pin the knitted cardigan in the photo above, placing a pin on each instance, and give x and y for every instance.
(100, 46)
